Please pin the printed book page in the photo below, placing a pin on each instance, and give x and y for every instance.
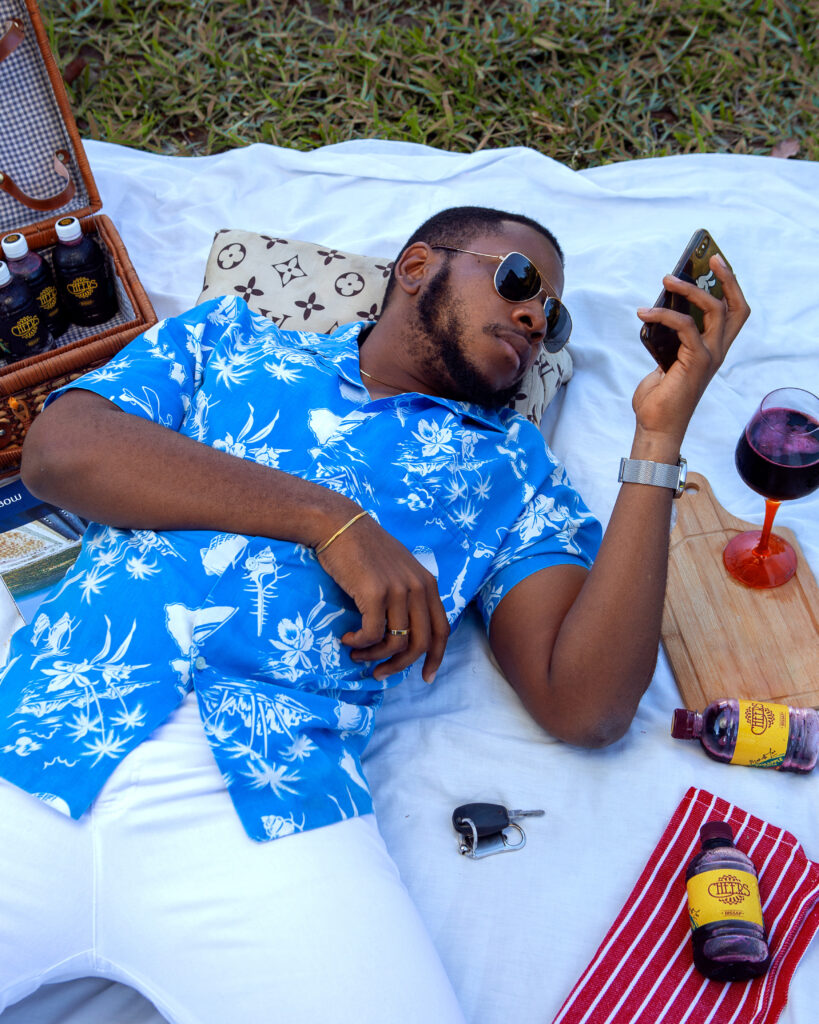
(38, 544)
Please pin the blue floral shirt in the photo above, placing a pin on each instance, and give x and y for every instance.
(253, 624)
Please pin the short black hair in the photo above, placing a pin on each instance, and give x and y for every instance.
(458, 225)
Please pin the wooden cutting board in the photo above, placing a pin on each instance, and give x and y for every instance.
(724, 639)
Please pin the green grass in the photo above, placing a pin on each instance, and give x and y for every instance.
(586, 82)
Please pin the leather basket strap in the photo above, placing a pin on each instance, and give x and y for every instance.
(61, 158)
(12, 37)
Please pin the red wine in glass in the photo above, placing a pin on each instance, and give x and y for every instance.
(777, 456)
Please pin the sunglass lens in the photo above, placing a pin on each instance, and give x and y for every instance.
(517, 278)
(558, 325)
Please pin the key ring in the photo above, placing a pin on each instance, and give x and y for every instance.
(476, 847)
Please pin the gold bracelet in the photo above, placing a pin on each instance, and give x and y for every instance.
(338, 533)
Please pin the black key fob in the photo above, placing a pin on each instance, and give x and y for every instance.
(479, 818)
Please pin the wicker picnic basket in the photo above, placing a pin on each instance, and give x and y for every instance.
(45, 175)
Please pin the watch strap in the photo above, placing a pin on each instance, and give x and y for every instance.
(656, 474)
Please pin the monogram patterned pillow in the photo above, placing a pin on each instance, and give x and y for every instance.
(310, 287)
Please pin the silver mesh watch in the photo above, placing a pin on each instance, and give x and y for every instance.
(658, 474)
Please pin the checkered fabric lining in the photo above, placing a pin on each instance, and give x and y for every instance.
(31, 129)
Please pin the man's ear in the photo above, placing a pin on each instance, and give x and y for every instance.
(413, 265)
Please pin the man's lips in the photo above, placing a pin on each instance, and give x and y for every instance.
(518, 343)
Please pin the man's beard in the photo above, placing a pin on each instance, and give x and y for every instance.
(445, 352)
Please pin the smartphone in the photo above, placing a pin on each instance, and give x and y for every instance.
(661, 341)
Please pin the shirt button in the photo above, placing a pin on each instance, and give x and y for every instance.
(200, 663)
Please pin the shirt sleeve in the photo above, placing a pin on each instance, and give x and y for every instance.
(554, 528)
(157, 374)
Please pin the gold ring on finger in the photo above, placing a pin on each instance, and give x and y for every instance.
(398, 632)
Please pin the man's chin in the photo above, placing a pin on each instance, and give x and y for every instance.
(503, 398)
(493, 398)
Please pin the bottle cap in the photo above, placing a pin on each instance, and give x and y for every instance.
(5, 274)
(685, 725)
(68, 229)
(716, 830)
(15, 246)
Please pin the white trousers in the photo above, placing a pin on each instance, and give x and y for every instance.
(159, 887)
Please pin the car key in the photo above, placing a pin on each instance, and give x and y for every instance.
(484, 819)
(485, 829)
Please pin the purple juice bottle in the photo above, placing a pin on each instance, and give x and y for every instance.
(34, 270)
(727, 930)
(23, 330)
(753, 732)
(85, 285)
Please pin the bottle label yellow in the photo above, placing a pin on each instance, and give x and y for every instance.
(47, 299)
(723, 895)
(82, 287)
(26, 327)
(762, 736)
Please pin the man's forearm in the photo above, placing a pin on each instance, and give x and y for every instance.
(614, 627)
(606, 651)
(86, 455)
(605, 645)
(580, 648)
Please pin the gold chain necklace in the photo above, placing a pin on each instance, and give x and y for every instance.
(378, 380)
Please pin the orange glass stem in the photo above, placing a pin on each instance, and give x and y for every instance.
(771, 508)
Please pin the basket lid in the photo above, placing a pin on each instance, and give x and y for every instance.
(44, 172)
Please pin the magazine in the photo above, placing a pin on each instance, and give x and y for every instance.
(38, 544)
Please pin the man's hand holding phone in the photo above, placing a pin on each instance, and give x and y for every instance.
(693, 266)
(665, 400)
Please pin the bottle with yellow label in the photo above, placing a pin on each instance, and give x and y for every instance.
(85, 286)
(34, 270)
(727, 930)
(23, 331)
(753, 732)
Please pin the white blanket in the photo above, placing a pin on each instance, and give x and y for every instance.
(516, 930)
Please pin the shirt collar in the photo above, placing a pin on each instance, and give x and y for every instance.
(340, 350)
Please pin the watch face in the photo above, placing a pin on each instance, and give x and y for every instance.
(683, 467)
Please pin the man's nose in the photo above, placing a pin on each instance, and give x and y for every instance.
(531, 317)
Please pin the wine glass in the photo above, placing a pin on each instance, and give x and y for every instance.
(778, 456)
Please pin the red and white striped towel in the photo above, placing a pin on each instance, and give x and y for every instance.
(643, 972)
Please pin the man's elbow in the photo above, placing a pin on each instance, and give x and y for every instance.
(590, 715)
(602, 733)
(51, 451)
(590, 728)
(37, 453)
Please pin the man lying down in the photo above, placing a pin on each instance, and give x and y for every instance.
(196, 694)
